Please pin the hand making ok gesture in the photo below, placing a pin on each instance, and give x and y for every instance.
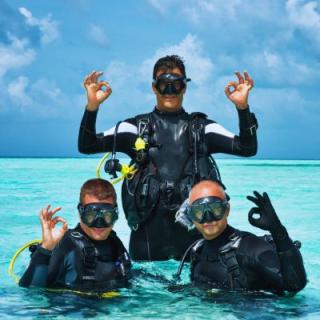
(240, 93)
(95, 94)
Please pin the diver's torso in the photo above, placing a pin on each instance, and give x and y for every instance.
(210, 267)
(86, 268)
(171, 150)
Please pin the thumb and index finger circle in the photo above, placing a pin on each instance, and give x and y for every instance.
(254, 221)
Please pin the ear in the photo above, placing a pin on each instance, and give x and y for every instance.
(154, 89)
(228, 210)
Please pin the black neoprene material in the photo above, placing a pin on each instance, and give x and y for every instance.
(160, 238)
(63, 267)
(262, 266)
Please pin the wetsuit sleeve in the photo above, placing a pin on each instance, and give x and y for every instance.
(37, 271)
(280, 268)
(220, 140)
(291, 263)
(89, 142)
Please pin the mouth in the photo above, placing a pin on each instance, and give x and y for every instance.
(98, 230)
(169, 97)
(209, 225)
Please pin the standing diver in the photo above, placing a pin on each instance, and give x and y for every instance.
(228, 258)
(89, 257)
(176, 153)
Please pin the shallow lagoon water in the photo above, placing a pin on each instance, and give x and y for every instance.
(28, 184)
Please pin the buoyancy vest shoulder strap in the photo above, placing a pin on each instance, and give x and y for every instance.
(88, 254)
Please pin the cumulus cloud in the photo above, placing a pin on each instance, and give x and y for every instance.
(41, 98)
(161, 6)
(305, 16)
(15, 55)
(98, 35)
(17, 91)
(199, 66)
(47, 26)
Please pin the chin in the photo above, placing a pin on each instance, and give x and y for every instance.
(100, 233)
(210, 232)
(97, 234)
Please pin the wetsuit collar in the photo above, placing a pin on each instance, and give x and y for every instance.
(167, 113)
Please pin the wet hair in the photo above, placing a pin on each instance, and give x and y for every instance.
(169, 62)
(98, 188)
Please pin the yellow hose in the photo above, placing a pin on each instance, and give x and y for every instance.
(104, 295)
(126, 171)
(100, 164)
(15, 256)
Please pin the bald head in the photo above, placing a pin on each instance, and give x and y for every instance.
(206, 188)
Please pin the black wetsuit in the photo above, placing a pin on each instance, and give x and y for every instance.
(160, 238)
(79, 263)
(252, 264)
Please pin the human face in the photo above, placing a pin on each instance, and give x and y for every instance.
(95, 233)
(209, 230)
(169, 103)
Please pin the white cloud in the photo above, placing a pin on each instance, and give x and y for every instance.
(198, 66)
(17, 91)
(41, 97)
(304, 16)
(161, 6)
(15, 55)
(47, 26)
(98, 35)
(118, 73)
(281, 69)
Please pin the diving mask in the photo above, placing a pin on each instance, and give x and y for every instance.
(170, 83)
(207, 209)
(98, 215)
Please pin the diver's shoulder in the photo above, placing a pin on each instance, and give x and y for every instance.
(253, 243)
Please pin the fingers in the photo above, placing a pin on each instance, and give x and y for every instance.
(46, 215)
(266, 197)
(248, 79)
(91, 78)
(245, 79)
(253, 220)
(108, 90)
(227, 89)
(254, 200)
(95, 76)
(258, 195)
(240, 77)
(64, 227)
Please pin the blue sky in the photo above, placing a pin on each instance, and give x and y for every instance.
(47, 47)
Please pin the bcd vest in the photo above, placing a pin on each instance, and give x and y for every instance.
(172, 163)
(96, 271)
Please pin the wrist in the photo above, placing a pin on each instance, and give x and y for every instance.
(279, 232)
(92, 107)
(243, 106)
(47, 246)
(44, 250)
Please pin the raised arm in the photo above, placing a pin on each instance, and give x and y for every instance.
(37, 271)
(292, 273)
(220, 140)
(89, 142)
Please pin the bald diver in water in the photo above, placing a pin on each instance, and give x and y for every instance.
(89, 257)
(177, 154)
(228, 258)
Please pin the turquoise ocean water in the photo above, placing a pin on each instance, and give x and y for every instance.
(26, 185)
